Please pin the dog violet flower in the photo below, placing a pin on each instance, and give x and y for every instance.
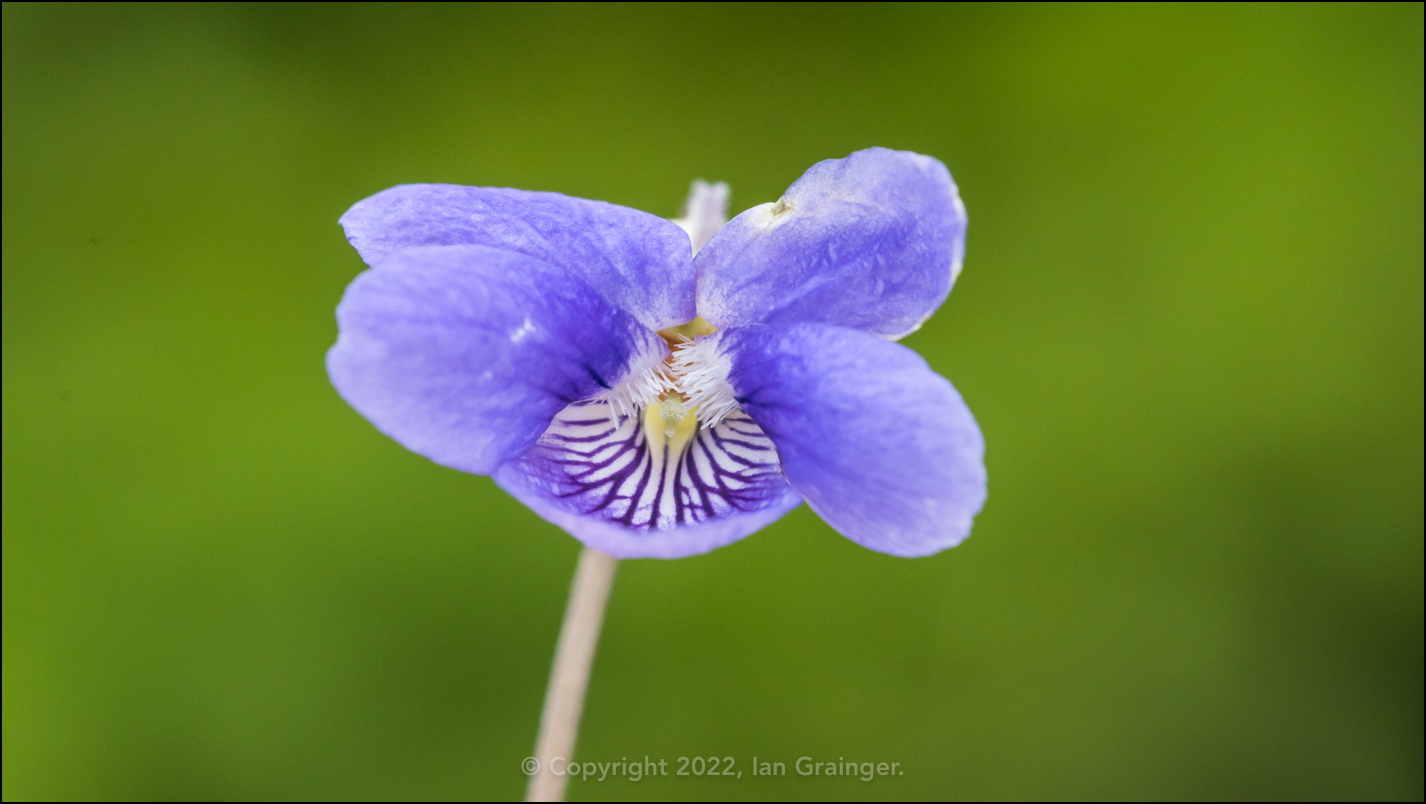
(661, 389)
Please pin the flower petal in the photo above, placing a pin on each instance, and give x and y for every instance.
(623, 486)
(881, 447)
(873, 242)
(465, 353)
(638, 262)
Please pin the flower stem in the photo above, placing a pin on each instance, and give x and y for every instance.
(574, 655)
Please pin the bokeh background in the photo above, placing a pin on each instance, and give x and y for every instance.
(1190, 325)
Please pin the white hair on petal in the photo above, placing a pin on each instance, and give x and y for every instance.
(701, 370)
(646, 381)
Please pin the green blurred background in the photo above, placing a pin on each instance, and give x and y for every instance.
(1190, 325)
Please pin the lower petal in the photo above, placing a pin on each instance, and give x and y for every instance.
(881, 447)
(622, 485)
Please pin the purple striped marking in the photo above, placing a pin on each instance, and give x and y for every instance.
(595, 463)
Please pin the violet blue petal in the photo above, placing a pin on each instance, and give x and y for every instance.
(879, 445)
(465, 353)
(873, 242)
(624, 487)
(637, 261)
(622, 542)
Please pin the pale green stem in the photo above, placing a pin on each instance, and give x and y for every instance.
(569, 677)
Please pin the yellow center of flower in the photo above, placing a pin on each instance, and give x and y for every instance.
(672, 414)
(670, 421)
(677, 393)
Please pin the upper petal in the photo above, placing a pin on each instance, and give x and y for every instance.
(637, 261)
(465, 353)
(881, 447)
(872, 242)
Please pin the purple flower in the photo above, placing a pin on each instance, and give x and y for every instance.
(661, 400)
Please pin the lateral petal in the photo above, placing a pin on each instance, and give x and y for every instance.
(880, 446)
(464, 354)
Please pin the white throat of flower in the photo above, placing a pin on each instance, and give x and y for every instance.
(701, 370)
(648, 379)
(691, 385)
